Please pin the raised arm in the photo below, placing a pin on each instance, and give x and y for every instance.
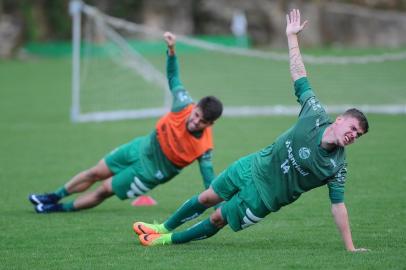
(181, 97)
(293, 28)
(172, 69)
(340, 215)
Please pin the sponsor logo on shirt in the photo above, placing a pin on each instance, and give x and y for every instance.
(341, 175)
(333, 162)
(314, 104)
(183, 96)
(285, 165)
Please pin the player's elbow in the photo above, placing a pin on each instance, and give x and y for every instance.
(338, 208)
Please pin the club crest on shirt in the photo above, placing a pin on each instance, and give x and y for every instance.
(159, 175)
(304, 153)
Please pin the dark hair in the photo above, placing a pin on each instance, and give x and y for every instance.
(357, 114)
(211, 107)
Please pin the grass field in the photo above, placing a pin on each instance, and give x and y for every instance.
(40, 149)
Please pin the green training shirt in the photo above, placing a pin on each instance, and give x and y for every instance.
(181, 99)
(295, 162)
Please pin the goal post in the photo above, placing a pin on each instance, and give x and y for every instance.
(75, 11)
(102, 58)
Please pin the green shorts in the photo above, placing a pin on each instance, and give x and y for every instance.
(131, 178)
(243, 206)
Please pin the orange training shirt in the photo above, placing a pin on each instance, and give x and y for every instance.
(177, 143)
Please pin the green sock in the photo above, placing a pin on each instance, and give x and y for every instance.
(61, 192)
(68, 207)
(201, 230)
(189, 210)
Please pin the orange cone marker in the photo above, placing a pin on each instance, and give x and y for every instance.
(144, 200)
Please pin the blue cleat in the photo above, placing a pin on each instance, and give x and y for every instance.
(47, 198)
(48, 208)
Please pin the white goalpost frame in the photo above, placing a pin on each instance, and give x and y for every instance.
(76, 8)
(75, 12)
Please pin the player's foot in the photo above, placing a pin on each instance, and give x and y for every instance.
(47, 198)
(48, 208)
(155, 239)
(146, 228)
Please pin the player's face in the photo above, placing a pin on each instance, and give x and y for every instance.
(347, 130)
(196, 122)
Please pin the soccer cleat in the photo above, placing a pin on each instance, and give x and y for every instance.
(48, 208)
(155, 239)
(146, 228)
(47, 198)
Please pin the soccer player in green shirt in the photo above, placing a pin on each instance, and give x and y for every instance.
(181, 136)
(308, 155)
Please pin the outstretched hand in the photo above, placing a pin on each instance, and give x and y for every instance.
(170, 39)
(293, 26)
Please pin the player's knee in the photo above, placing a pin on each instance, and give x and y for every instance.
(99, 172)
(217, 219)
(209, 198)
(105, 190)
(95, 173)
(204, 200)
(92, 174)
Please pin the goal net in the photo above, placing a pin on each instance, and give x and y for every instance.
(119, 73)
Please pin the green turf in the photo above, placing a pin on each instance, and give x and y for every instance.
(40, 149)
